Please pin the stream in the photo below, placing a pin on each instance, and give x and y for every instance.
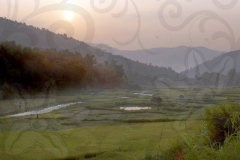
(45, 110)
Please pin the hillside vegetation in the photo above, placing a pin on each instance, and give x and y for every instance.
(35, 69)
(30, 36)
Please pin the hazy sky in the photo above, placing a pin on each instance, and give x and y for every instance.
(135, 24)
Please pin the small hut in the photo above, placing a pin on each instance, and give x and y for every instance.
(181, 97)
(156, 100)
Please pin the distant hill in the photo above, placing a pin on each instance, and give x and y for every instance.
(221, 64)
(224, 69)
(163, 57)
(30, 36)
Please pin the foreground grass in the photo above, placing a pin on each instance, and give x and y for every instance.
(198, 150)
(95, 142)
(218, 139)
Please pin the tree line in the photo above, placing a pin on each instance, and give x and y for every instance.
(32, 68)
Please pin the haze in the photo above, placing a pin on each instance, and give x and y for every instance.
(122, 31)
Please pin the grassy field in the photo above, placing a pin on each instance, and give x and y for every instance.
(99, 142)
(99, 129)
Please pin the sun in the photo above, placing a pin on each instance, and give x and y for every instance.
(69, 15)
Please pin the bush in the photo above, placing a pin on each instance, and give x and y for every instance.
(222, 120)
(223, 126)
(176, 152)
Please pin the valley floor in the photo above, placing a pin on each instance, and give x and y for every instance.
(99, 129)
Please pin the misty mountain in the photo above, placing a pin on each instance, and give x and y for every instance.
(221, 64)
(224, 69)
(30, 36)
(211, 76)
(164, 57)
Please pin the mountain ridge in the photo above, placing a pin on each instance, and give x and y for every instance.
(164, 56)
(30, 36)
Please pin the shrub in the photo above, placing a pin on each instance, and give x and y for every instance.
(223, 126)
(176, 152)
(222, 120)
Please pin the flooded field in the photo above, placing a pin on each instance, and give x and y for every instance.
(134, 108)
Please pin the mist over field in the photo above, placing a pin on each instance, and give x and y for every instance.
(119, 79)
